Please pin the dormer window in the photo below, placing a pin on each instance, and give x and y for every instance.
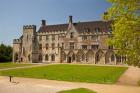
(86, 30)
(97, 30)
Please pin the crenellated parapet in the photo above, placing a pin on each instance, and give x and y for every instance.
(29, 27)
(16, 41)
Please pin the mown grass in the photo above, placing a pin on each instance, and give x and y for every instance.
(78, 90)
(68, 72)
(12, 65)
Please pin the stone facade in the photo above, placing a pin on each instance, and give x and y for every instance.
(82, 42)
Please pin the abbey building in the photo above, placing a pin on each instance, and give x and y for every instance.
(81, 42)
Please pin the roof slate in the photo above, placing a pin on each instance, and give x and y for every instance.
(80, 26)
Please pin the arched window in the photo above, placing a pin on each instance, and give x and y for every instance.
(97, 57)
(97, 30)
(16, 57)
(40, 57)
(118, 58)
(29, 57)
(112, 57)
(63, 55)
(83, 57)
(46, 57)
(71, 35)
(53, 57)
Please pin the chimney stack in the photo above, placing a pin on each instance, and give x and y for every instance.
(70, 19)
(43, 22)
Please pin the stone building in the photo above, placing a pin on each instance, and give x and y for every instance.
(81, 42)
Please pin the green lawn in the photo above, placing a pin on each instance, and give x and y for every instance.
(79, 90)
(12, 65)
(69, 72)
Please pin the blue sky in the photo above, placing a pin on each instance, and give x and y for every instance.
(16, 13)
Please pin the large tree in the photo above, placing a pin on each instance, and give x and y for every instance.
(125, 17)
(5, 53)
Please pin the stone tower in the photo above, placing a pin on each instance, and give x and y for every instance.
(16, 50)
(29, 48)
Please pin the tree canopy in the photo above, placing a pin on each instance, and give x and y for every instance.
(125, 15)
(5, 53)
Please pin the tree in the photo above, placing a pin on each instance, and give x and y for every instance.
(5, 53)
(125, 17)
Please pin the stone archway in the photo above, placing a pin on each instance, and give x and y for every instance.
(63, 56)
(46, 57)
(29, 57)
(80, 56)
(90, 56)
(99, 57)
(52, 57)
(110, 57)
(40, 58)
(70, 57)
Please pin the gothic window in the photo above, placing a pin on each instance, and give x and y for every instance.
(40, 38)
(118, 58)
(63, 56)
(47, 46)
(53, 37)
(84, 46)
(40, 46)
(71, 35)
(71, 45)
(112, 57)
(110, 47)
(16, 57)
(29, 57)
(46, 57)
(62, 45)
(83, 57)
(84, 37)
(53, 46)
(95, 38)
(24, 53)
(86, 30)
(53, 57)
(94, 47)
(40, 57)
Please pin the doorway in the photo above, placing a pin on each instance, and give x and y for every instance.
(69, 59)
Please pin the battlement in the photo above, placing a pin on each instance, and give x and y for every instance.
(16, 41)
(29, 27)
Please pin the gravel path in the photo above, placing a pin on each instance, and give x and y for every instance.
(130, 77)
(29, 85)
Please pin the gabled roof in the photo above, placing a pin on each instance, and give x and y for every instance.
(80, 26)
